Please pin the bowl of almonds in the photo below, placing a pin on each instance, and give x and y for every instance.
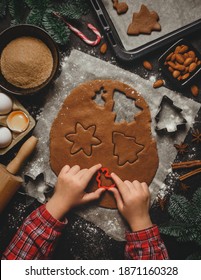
(181, 63)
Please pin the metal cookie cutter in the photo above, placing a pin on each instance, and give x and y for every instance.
(178, 110)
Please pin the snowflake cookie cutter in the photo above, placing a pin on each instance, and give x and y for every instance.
(178, 110)
(104, 171)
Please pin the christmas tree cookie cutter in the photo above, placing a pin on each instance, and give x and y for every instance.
(165, 130)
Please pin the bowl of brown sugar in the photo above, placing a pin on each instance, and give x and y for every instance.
(29, 59)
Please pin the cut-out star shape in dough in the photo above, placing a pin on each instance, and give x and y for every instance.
(83, 139)
(144, 22)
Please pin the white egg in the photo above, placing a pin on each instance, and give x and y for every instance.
(6, 104)
(5, 137)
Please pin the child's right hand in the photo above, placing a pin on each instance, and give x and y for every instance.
(133, 202)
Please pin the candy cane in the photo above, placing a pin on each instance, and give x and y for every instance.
(83, 37)
(80, 34)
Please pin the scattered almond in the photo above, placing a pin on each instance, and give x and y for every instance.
(103, 48)
(147, 65)
(158, 83)
(194, 90)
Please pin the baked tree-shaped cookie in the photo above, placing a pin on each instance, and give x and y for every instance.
(144, 22)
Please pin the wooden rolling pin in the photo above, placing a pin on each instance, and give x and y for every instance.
(9, 183)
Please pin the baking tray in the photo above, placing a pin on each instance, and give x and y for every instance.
(143, 44)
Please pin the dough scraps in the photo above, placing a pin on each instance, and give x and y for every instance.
(26, 62)
(86, 133)
(144, 22)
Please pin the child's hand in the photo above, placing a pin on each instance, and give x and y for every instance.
(133, 201)
(70, 190)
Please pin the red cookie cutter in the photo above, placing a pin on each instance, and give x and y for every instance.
(104, 171)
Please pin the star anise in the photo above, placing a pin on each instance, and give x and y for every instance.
(162, 202)
(196, 136)
(184, 187)
(182, 148)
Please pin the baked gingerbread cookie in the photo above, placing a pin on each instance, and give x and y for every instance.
(86, 133)
(121, 7)
(144, 22)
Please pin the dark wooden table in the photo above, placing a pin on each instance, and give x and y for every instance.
(82, 239)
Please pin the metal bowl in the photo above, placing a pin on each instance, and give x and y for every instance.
(32, 31)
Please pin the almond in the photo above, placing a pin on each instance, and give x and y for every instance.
(171, 64)
(158, 83)
(194, 90)
(170, 69)
(147, 65)
(169, 56)
(173, 57)
(191, 54)
(176, 74)
(103, 48)
(188, 61)
(183, 49)
(185, 76)
(177, 50)
(179, 67)
(179, 58)
(192, 67)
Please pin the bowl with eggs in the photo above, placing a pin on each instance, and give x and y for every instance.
(29, 59)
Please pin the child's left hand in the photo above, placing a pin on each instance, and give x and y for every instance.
(70, 190)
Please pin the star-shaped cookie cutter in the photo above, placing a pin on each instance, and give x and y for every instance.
(164, 130)
(104, 171)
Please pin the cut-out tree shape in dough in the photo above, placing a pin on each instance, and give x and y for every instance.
(83, 139)
(126, 148)
(144, 22)
(83, 133)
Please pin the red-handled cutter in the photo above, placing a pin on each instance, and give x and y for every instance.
(104, 171)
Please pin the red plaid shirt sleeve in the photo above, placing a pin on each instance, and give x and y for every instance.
(145, 245)
(36, 238)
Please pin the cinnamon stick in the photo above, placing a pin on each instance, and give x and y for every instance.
(186, 164)
(190, 174)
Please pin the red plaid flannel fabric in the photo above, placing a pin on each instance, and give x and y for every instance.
(36, 239)
(145, 245)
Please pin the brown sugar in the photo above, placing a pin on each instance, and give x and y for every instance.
(26, 62)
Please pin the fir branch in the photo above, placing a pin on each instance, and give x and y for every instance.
(68, 10)
(2, 8)
(185, 223)
(179, 208)
(35, 17)
(39, 12)
(83, 6)
(41, 5)
(56, 28)
(17, 10)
